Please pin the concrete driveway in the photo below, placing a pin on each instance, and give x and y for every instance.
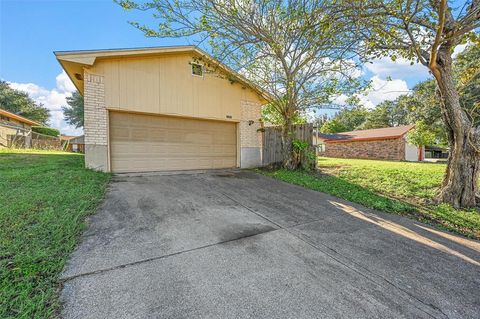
(233, 244)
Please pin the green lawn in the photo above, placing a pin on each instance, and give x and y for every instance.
(45, 197)
(414, 182)
(394, 187)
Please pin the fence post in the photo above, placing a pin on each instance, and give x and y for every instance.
(28, 139)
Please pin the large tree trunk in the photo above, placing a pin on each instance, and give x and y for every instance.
(459, 186)
(287, 146)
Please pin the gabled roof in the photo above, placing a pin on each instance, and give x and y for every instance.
(18, 117)
(74, 61)
(367, 135)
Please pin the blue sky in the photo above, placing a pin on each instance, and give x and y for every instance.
(30, 30)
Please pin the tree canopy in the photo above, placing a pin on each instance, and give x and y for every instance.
(421, 135)
(20, 103)
(73, 113)
(346, 120)
(467, 75)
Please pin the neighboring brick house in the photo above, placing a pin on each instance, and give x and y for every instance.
(165, 108)
(388, 143)
(13, 125)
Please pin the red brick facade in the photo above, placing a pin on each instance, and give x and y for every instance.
(388, 149)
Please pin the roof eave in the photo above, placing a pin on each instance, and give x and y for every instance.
(74, 80)
(20, 118)
(89, 57)
(123, 51)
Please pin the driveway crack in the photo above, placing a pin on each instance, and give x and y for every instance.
(137, 262)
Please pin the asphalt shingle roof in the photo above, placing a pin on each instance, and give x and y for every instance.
(373, 134)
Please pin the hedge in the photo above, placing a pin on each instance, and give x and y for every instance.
(46, 130)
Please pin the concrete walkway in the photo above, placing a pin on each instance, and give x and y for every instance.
(233, 244)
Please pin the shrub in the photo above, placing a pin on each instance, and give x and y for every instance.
(46, 130)
(303, 155)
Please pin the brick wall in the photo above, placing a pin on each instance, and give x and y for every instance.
(392, 149)
(95, 126)
(249, 134)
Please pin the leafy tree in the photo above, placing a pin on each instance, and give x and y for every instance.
(270, 115)
(73, 113)
(386, 114)
(428, 31)
(334, 126)
(423, 105)
(20, 103)
(348, 119)
(421, 135)
(297, 51)
(467, 74)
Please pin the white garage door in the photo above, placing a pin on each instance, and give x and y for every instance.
(142, 143)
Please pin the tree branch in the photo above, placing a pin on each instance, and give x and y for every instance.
(438, 37)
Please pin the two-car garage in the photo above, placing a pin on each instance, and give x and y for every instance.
(165, 109)
(141, 143)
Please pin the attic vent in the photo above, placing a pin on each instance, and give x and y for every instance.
(197, 69)
(78, 76)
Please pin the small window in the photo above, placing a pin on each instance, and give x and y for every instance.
(197, 69)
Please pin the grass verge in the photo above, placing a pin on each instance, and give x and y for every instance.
(45, 197)
(393, 187)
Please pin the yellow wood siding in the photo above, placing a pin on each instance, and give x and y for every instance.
(165, 84)
(156, 143)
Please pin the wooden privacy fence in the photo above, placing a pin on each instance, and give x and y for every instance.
(272, 141)
(34, 140)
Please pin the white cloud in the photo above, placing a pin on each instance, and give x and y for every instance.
(401, 68)
(64, 84)
(383, 90)
(459, 49)
(53, 100)
(340, 99)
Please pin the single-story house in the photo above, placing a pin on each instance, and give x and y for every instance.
(76, 144)
(387, 143)
(165, 108)
(12, 126)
